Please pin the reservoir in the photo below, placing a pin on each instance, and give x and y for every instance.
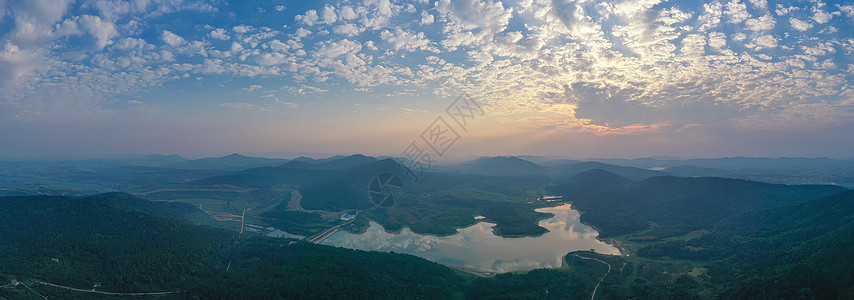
(478, 248)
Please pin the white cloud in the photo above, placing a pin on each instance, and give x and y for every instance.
(760, 4)
(711, 16)
(672, 16)
(764, 41)
(783, 10)
(472, 22)
(717, 40)
(280, 8)
(821, 16)
(426, 18)
(172, 39)
(408, 40)
(17, 66)
(737, 12)
(309, 18)
(329, 15)
(763, 23)
(347, 13)
(562, 51)
(800, 25)
(332, 49)
(847, 9)
(348, 29)
(242, 28)
(103, 31)
(219, 34)
(302, 32)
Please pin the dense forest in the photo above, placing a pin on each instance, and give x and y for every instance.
(751, 240)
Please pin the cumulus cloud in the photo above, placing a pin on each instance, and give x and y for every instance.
(172, 39)
(329, 15)
(408, 40)
(426, 18)
(309, 18)
(102, 31)
(737, 11)
(800, 25)
(219, 34)
(763, 23)
(821, 16)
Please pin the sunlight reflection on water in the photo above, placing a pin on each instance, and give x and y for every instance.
(476, 247)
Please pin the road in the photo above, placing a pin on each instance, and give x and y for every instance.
(88, 291)
(317, 239)
(296, 202)
(603, 276)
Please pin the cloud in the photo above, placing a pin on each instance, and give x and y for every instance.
(219, 34)
(244, 106)
(348, 29)
(820, 16)
(408, 40)
(333, 49)
(737, 12)
(329, 15)
(711, 16)
(172, 39)
(17, 66)
(102, 31)
(426, 18)
(670, 61)
(309, 18)
(760, 4)
(799, 25)
(847, 9)
(763, 23)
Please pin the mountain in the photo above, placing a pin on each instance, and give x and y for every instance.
(673, 206)
(151, 160)
(547, 161)
(232, 162)
(790, 252)
(501, 166)
(332, 185)
(345, 162)
(109, 239)
(631, 173)
(599, 179)
(692, 171)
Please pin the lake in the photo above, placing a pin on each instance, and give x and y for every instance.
(478, 248)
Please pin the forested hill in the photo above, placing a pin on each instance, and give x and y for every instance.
(673, 206)
(115, 240)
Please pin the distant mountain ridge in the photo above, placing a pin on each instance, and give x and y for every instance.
(232, 162)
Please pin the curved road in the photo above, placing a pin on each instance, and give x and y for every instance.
(601, 279)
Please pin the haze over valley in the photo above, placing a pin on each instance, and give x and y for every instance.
(426, 149)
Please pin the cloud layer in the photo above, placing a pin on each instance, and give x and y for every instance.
(605, 67)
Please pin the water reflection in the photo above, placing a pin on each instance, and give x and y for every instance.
(476, 247)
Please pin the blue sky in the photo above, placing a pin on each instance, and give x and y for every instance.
(567, 78)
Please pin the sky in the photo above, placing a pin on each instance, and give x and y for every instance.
(579, 79)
